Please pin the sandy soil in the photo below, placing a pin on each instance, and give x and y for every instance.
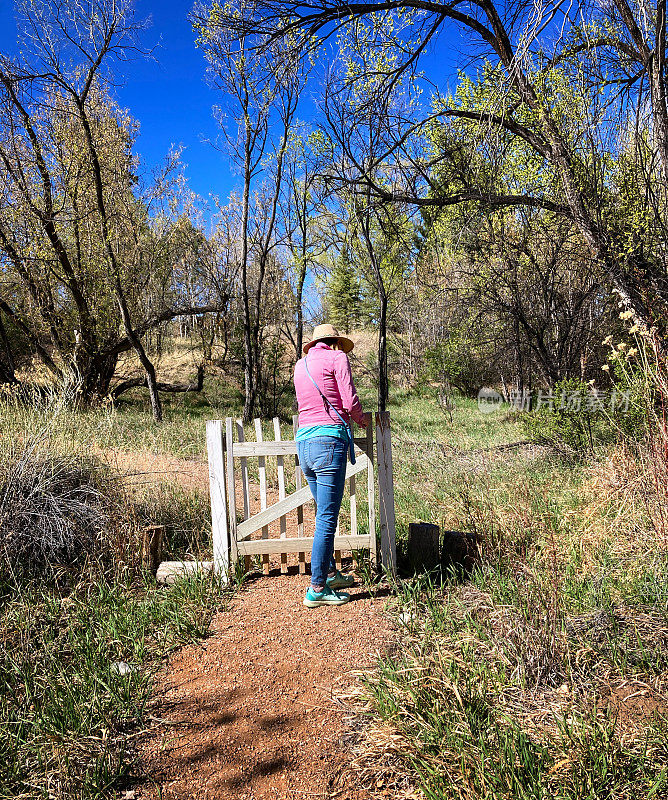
(251, 713)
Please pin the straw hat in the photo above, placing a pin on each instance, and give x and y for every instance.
(329, 332)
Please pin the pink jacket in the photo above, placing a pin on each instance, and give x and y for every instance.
(330, 369)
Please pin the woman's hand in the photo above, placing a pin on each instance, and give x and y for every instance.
(366, 421)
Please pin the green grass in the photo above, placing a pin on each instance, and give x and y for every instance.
(498, 697)
(65, 709)
(67, 714)
(499, 686)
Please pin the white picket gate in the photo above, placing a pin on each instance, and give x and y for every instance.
(252, 535)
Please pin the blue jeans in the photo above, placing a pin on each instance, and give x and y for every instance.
(323, 461)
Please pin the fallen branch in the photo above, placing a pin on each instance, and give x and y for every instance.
(133, 383)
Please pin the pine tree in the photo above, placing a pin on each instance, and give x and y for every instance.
(342, 293)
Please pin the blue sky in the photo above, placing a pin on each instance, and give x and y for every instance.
(172, 102)
(167, 95)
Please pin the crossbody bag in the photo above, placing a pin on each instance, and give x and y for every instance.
(328, 405)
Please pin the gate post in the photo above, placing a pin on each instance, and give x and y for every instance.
(219, 527)
(388, 547)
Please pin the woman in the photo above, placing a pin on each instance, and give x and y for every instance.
(324, 386)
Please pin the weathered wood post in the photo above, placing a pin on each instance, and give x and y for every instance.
(388, 547)
(219, 527)
(422, 547)
(151, 547)
(371, 494)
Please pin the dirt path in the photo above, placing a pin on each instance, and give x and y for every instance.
(249, 714)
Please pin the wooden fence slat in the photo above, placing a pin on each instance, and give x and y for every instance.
(353, 511)
(215, 452)
(281, 493)
(388, 549)
(262, 470)
(231, 499)
(300, 509)
(371, 494)
(244, 471)
(244, 485)
(353, 505)
(352, 485)
(301, 497)
(295, 545)
(280, 448)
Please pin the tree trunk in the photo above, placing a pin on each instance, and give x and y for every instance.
(300, 311)
(7, 365)
(96, 374)
(519, 366)
(147, 364)
(383, 384)
(249, 374)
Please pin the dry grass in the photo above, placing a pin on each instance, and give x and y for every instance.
(545, 675)
(479, 702)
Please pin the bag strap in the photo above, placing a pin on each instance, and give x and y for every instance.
(328, 405)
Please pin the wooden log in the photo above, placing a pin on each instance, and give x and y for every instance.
(371, 494)
(152, 546)
(300, 509)
(459, 551)
(262, 472)
(215, 446)
(170, 571)
(280, 469)
(231, 495)
(423, 546)
(388, 548)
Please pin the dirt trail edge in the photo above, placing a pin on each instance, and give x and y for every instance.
(249, 713)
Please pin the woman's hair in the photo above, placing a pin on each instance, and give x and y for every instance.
(332, 341)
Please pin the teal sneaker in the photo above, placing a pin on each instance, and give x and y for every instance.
(341, 581)
(326, 597)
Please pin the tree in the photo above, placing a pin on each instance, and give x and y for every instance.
(342, 298)
(612, 55)
(356, 118)
(303, 214)
(258, 95)
(82, 254)
(525, 281)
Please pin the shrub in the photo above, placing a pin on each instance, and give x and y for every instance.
(460, 361)
(572, 419)
(639, 381)
(55, 511)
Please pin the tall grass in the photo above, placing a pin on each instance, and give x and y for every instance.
(544, 673)
(82, 628)
(76, 672)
